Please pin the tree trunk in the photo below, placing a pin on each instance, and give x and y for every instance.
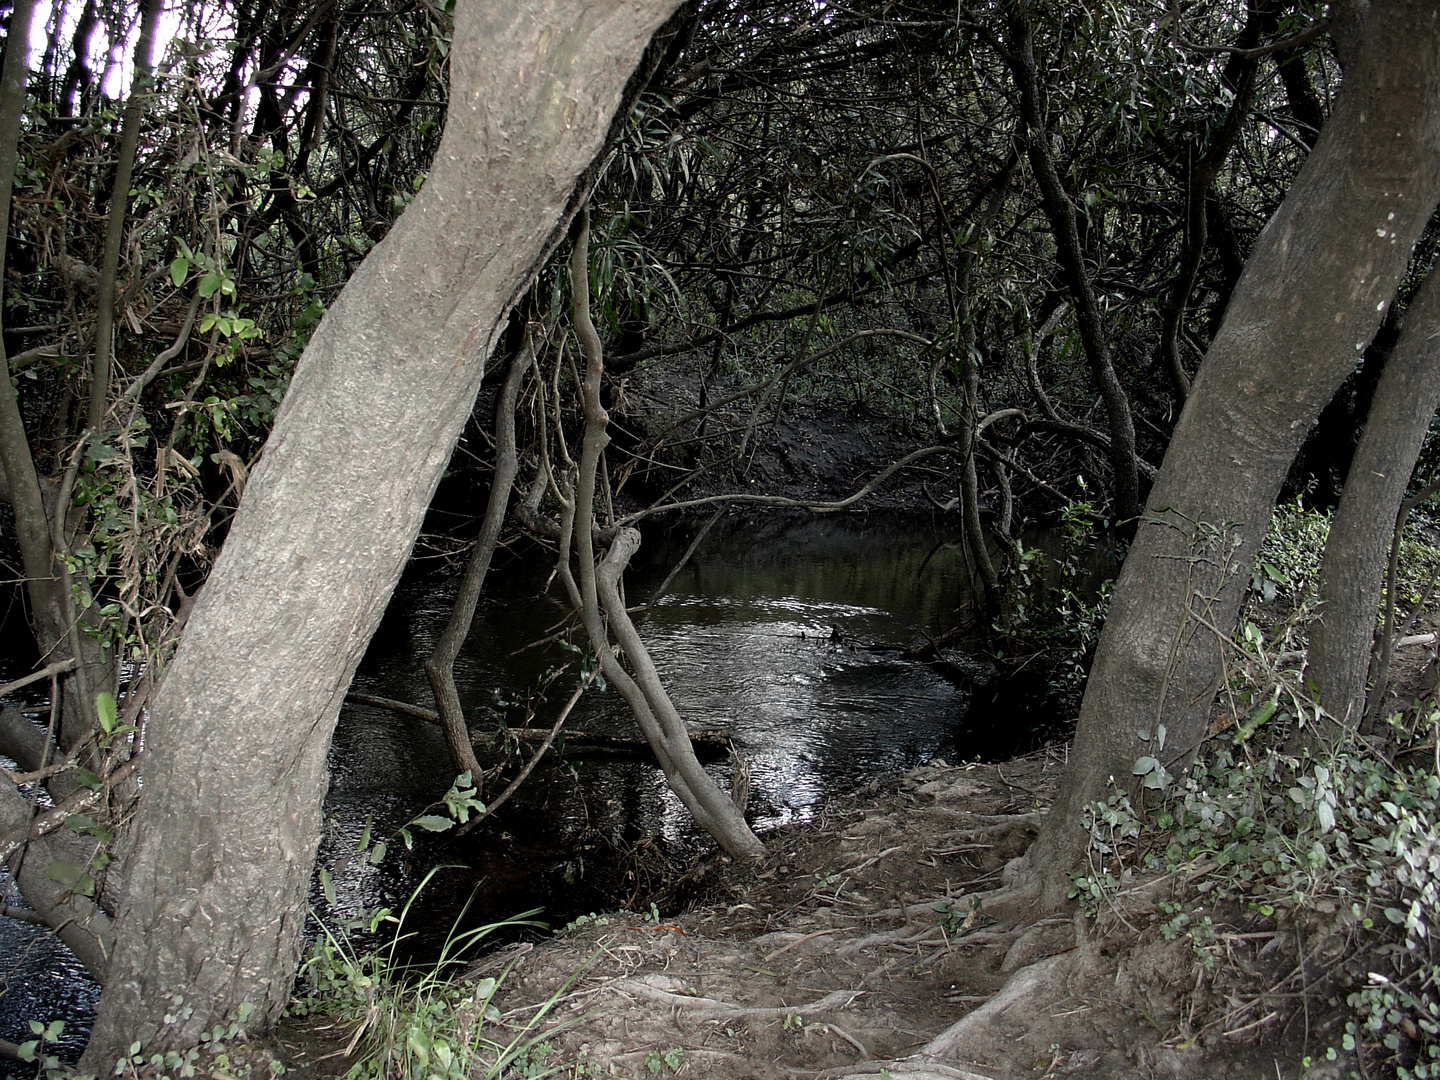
(48, 604)
(440, 666)
(115, 219)
(964, 318)
(1207, 157)
(601, 603)
(1359, 543)
(230, 819)
(1060, 212)
(1311, 298)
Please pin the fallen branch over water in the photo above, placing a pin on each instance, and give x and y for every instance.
(708, 744)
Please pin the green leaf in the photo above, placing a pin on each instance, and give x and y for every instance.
(1145, 766)
(179, 269)
(377, 854)
(210, 284)
(88, 779)
(71, 877)
(433, 822)
(106, 711)
(327, 886)
(27, 1050)
(1157, 780)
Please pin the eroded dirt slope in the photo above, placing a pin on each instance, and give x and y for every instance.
(857, 949)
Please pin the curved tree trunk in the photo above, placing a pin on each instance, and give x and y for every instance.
(440, 666)
(601, 603)
(1359, 542)
(1311, 298)
(230, 819)
(1060, 212)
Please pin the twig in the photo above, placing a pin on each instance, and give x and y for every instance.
(1309, 34)
(845, 1036)
(800, 941)
(504, 797)
(56, 817)
(57, 668)
(797, 504)
(695, 543)
(1253, 1024)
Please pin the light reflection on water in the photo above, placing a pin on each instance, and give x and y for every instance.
(786, 634)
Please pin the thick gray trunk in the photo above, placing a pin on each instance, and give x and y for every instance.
(1359, 542)
(1311, 298)
(230, 819)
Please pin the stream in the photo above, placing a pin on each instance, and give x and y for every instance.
(786, 632)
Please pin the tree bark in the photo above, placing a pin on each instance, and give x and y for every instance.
(440, 666)
(1310, 300)
(1359, 543)
(230, 819)
(1060, 212)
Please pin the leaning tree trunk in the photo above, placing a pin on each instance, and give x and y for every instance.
(1359, 543)
(1311, 298)
(440, 665)
(1060, 212)
(602, 608)
(230, 818)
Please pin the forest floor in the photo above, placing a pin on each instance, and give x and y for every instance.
(855, 952)
(860, 946)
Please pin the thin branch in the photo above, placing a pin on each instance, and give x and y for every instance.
(798, 504)
(1309, 34)
(57, 668)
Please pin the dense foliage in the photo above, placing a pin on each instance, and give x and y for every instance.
(1003, 234)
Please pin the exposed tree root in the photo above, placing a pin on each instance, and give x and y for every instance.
(703, 1006)
(1036, 981)
(903, 1070)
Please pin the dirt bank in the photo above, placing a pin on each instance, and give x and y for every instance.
(856, 951)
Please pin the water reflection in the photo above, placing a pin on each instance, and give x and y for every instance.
(784, 632)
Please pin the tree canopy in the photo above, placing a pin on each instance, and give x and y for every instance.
(259, 260)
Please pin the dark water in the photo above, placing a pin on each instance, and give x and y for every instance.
(785, 633)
